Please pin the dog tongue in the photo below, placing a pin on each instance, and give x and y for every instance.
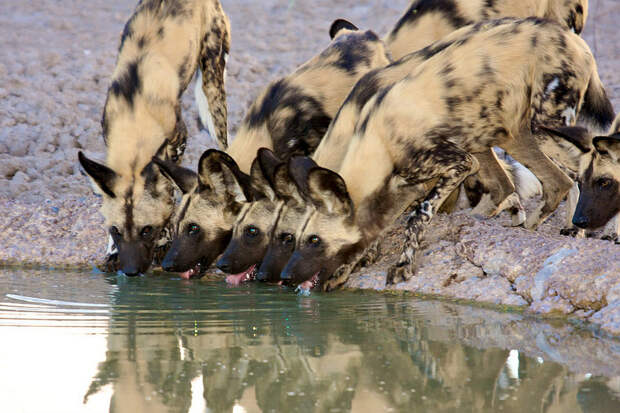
(237, 279)
(190, 273)
(305, 287)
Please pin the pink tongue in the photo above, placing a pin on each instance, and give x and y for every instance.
(309, 284)
(187, 274)
(237, 279)
(306, 285)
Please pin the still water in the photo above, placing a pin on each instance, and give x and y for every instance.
(77, 342)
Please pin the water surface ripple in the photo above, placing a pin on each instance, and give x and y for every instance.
(76, 342)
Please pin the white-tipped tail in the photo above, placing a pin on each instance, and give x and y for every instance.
(203, 106)
(526, 183)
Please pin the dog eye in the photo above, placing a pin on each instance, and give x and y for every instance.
(251, 231)
(287, 239)
(314, 240)
(604, 183)
(146, 231)
(193, 229)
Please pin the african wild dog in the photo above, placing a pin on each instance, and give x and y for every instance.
(333, 147)
(163, 44)
(427, 21)
(252, 230)
(488, 89)
(289, 117)
(215, 195)
(598, 178)
(288, 178)
(292, 114)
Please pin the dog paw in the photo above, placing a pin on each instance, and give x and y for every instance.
(397, 273)
(569, 232)
(611, 237)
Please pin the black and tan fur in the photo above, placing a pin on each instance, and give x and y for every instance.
(212, 200)
(598, 202)
(292, 114)
(162, 46)
(427, 21)
(252, 229)
(493, 87)
(295, 210)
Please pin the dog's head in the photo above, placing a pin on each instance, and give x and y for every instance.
(253, 227)
(330, 236)
(137, 206)
(293, 215)
(599, 175)
(212, 200)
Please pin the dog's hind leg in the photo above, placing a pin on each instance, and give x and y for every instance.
(555, 183)
(451, 166)
(499, 188)
(213, 55)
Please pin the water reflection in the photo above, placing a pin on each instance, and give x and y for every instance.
(172, 346)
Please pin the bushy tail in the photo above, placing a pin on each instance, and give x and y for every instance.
(526, 184)
(597, 111)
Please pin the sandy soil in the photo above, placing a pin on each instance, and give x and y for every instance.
(55, 62)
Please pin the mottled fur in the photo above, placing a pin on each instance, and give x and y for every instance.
(492, 87)
(252, 229)
(427, 21)
(596, 202)
(163, 44)
(212, 200)
(292, 114)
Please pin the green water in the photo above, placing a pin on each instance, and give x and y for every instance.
(93, 343)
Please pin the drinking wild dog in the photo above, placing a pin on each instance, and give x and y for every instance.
(289, 117)
(162, 46)
(428, 126)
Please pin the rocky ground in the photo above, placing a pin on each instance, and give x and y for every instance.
(55, 62)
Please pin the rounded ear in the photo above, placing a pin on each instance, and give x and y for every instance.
(298, 169)
(285, 187)
(261, 173)
(185, 179)
(608, 145)
(576, 135)
(328, 192)
(219, 173)
(101, 176)
(340, 24)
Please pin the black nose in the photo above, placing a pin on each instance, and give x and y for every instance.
(581, 221)
(167, 265)
(223, 265)
(131, 272)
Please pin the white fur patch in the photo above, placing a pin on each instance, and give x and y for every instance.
(569, 116)
(526, 183)
(552, 85)
(111, 249)
(203, 106)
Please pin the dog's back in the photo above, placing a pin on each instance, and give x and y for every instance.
(427, 21)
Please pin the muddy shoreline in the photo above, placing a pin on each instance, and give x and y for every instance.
(56, 61)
